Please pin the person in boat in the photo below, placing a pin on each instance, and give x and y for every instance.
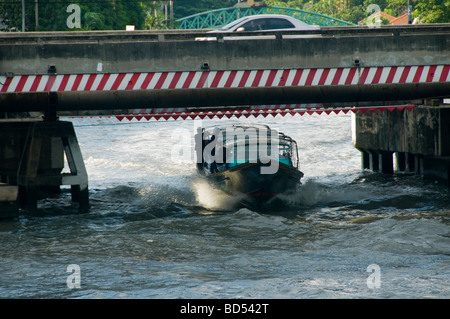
(210, 151)
(214, 140)
(199, 146)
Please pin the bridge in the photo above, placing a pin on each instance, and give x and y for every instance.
(189, 73)
(118, 70)
(220, 17)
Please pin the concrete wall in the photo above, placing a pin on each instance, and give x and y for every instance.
(122, 51)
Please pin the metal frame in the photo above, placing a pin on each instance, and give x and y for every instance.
(220, 17)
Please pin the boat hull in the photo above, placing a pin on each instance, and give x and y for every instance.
(246, 179)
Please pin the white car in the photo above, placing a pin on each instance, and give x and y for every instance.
(265, 22)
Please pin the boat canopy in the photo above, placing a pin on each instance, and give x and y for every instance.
(252, 143)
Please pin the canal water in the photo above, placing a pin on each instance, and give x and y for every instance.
(157, 231)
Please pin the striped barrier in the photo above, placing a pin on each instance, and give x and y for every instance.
(223, 79)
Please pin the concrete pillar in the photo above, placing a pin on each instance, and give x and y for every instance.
(420, 138)
(365, 159)
(32, 158)
(418, 164)
(410, 163)
(400, 162)
(9, 207)
(386, 163)
(374, 161)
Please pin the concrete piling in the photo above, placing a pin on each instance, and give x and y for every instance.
(413, 141)
(8, 201)
(33, 160)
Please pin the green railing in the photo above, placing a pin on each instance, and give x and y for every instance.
(220, 17)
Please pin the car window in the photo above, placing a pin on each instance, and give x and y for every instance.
(232, 24)
(279, 24)
(267, 24)
(255, 25)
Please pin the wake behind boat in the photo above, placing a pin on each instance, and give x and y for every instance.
(250, 160)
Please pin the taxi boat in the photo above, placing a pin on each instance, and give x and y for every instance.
(251, 160)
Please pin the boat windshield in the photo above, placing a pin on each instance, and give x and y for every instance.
(245, 144)
(252, 150)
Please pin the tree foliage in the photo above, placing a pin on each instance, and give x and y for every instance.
(52, 15)
(433, 11)
(150, 14)
(425, 11)
(184, 8)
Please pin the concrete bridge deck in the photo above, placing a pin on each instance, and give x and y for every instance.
(175, 50)
(120, 70)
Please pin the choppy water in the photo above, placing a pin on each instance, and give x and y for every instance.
(156, 231)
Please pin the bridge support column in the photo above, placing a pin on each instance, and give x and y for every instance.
(400, 162)
(377, 161)
(32, 158)
(408, 163)
(386, 162)
(365, 159)
(9, 207)
(418, 138)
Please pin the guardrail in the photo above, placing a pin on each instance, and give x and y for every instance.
(190, 35)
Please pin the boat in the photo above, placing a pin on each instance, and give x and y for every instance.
(251, 161)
